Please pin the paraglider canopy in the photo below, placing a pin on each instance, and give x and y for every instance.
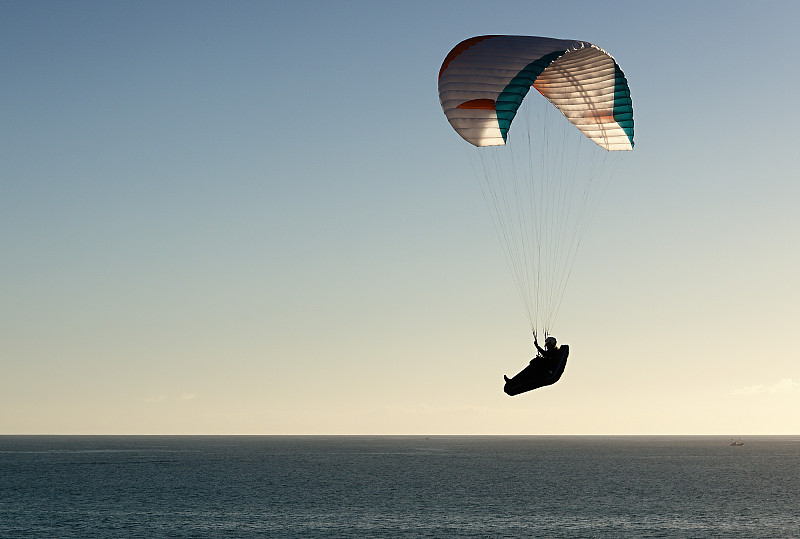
(484, 79)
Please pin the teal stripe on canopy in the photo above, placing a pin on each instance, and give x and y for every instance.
(623, 106)
(511, 97)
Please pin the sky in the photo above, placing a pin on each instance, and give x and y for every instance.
(253, 218)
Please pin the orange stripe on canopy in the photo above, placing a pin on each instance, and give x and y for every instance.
(484, 104)
(458, 49)
(600, 116)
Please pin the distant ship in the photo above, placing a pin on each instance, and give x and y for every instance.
(737, 443)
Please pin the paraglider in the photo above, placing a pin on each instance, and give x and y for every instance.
(544, 370)
(541, 182)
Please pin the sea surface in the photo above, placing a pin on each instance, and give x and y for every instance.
(398, 486)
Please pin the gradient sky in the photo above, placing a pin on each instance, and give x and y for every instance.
(253, 218)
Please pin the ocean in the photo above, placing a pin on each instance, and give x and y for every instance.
(398, 486)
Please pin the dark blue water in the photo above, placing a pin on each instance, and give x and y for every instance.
(398, 487)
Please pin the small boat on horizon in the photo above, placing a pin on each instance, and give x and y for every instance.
(737, 443)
